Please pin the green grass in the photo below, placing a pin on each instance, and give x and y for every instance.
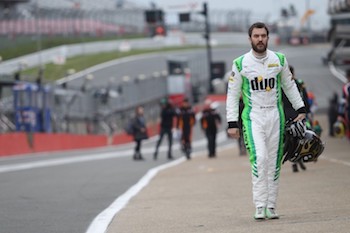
(53, 72)
(26, 45)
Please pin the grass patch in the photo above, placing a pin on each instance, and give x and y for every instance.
(26, 45)
(53, 72)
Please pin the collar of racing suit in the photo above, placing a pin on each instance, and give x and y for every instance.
(260, 59)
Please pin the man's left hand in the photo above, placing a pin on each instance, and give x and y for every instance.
(300, 117)
(298, 127)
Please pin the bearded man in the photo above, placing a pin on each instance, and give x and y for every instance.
(259, 77)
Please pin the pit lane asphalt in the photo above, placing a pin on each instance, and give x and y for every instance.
(214, 195)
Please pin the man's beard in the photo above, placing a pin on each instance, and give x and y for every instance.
(256, 49)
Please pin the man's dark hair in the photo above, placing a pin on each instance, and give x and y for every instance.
(257, 25)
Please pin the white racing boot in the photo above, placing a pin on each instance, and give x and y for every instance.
(259, 213)
(271, 213)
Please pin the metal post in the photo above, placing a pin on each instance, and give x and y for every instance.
(307, 2)
(38, 34)
(207, 38)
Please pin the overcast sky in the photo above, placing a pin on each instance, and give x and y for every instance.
(261, 9)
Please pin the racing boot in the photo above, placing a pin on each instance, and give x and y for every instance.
(270, 213)
(259, 213)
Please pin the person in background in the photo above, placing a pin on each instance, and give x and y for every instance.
(317, 128)
(333, 111)
(185, 122)
(210, 122)
(167, 115)
(290, 113)
(346, 101)
(139, 131)
(313, 106)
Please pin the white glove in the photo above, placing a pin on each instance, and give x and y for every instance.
(298, 129)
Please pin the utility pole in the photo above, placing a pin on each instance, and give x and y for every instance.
(307, 2)
(38, 34)
(207, 38)
(185, 17)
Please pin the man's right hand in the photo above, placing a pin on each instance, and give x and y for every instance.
(233, 132)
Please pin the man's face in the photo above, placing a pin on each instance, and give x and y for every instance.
(259, 40)
(140, 111)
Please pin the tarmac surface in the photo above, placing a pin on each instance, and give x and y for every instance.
(214, 195)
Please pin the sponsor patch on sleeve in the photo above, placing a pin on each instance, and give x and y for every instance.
(273, 65)
(231, 78)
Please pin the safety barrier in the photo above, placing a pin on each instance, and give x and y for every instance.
(23, 143)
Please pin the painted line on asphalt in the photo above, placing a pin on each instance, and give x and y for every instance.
(103, 220)
(339, 75)
(93, 157)
(62, 161)
(336, 161)
(104, 65)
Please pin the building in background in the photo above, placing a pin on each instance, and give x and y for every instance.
(339, 34)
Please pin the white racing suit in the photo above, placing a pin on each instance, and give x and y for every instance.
(259, 81)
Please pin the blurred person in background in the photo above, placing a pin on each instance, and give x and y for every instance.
(317, 128)
(139, 131)
(210, 122)
(346, 101)
(333, 112)
(167, 115)
(313, 106)
(185, 121)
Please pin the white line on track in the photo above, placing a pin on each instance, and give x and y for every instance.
(336, 161)
(336, 72)
(62, 161)
(92, 157)
(111, 63)
(102, 221)
(105, 65)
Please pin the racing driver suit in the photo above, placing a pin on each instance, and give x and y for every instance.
(259, 81)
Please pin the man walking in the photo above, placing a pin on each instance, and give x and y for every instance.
(139, 131)
(259, 76)
(167, 115)
(185, 121)
(210, 122)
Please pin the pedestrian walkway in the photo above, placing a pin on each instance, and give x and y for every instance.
(214, 195)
